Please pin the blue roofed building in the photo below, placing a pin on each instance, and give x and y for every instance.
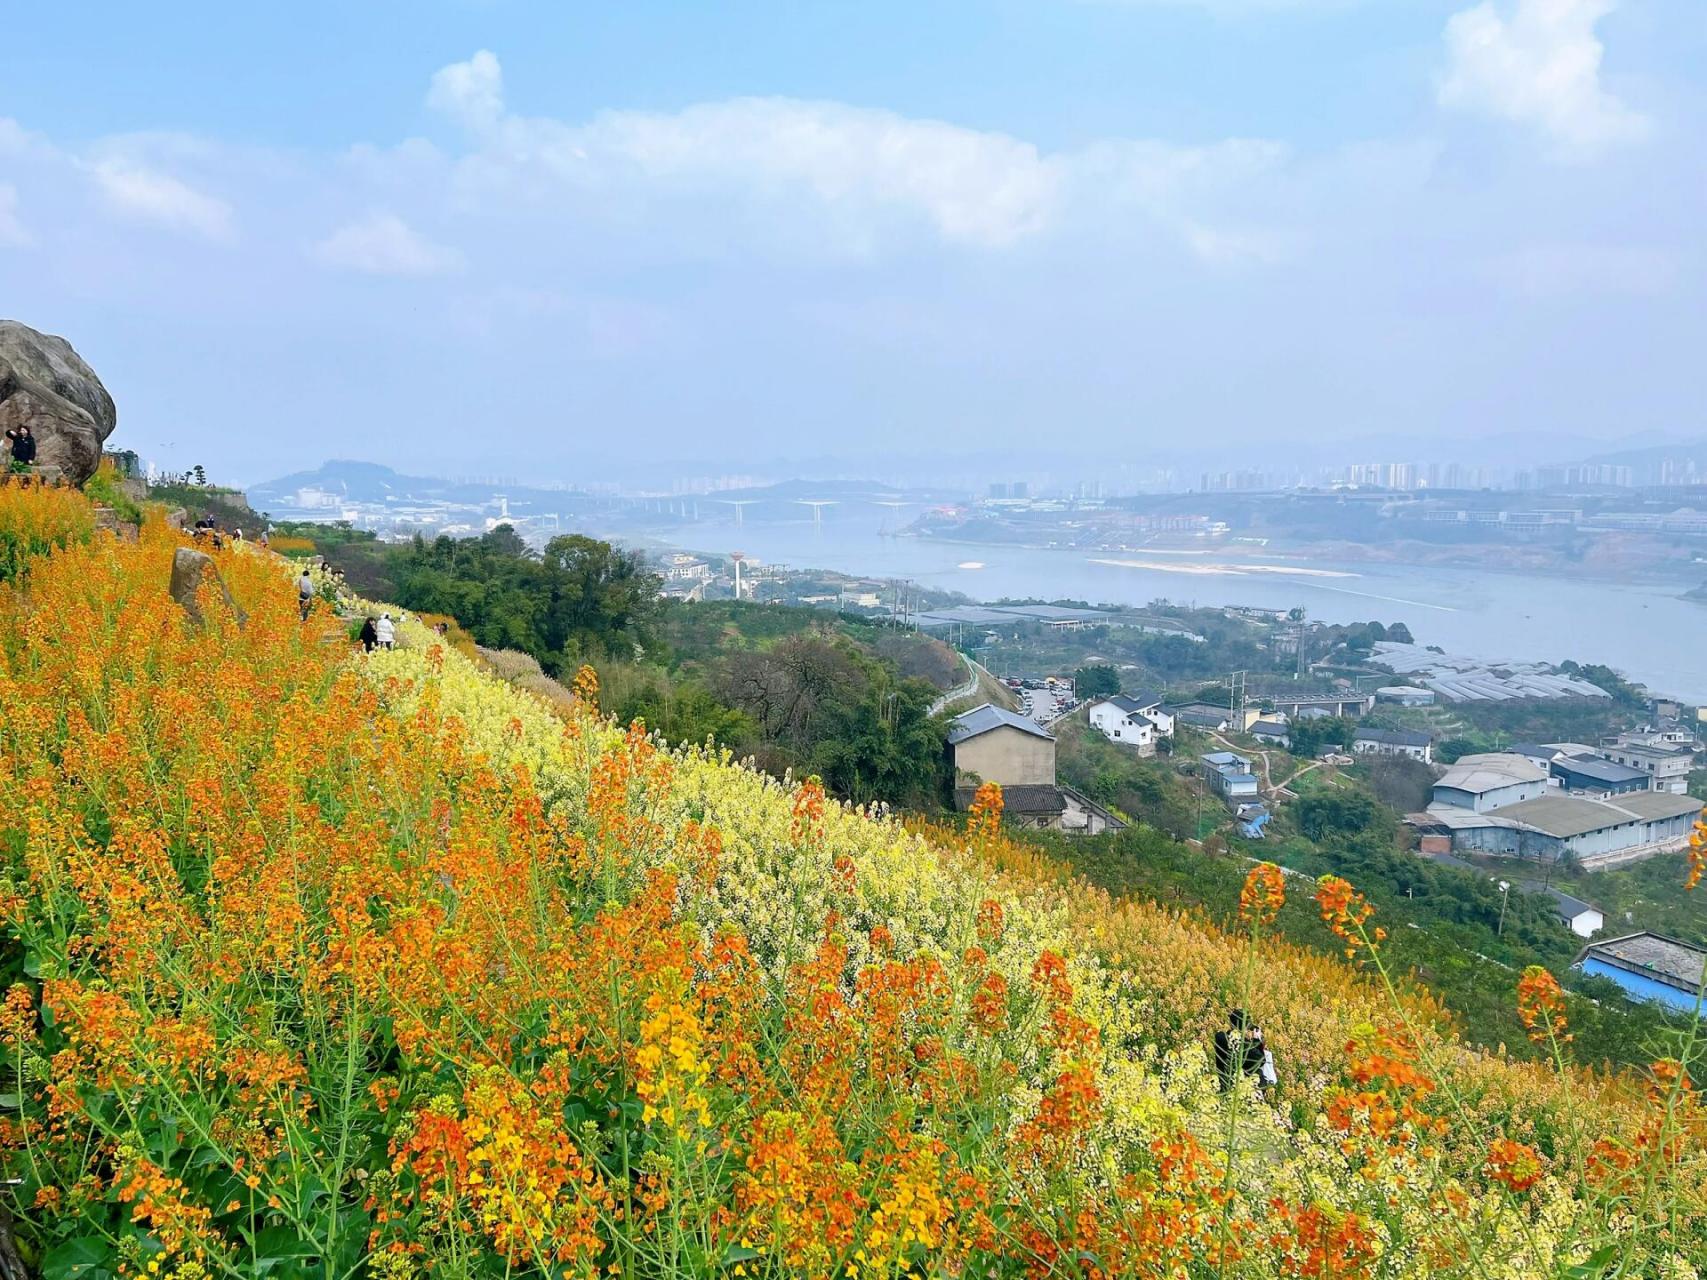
(1648, 966)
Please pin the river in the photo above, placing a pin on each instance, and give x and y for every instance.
(1642, 629)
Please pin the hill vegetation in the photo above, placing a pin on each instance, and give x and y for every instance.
(329, 965)
(793, 688)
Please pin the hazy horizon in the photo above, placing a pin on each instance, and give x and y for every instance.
(475, 238)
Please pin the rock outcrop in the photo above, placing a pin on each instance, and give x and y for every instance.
(190, 570)
(46, 386)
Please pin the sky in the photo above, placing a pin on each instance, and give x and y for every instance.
(477, 237)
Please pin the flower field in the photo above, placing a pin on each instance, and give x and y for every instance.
(328, 965)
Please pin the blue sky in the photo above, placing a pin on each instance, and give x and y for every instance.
(494, 236)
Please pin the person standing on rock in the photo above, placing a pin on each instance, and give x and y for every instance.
(386, 630)
(23, 447)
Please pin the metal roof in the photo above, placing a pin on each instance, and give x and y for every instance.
(969, 724)
(1454, 818)
(1393, 737)
(1599, 769)
(1489, 772)
(1568, 816)
(1677, 964)
(1655, 806)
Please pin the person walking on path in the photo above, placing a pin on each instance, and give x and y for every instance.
(305, 593)
(386, 630)
(369, 635)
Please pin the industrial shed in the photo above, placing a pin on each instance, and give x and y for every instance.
(1597, 833)
(1648, 966)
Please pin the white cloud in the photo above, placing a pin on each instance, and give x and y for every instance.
(1537, 63)
(858, 173)
(137, 191)
(470, 92)
(13, 233)
(382, 244)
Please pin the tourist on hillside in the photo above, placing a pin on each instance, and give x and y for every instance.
(386, 630)
(1239, 1050)
(23, 447)
(369, 635)
(305, 593)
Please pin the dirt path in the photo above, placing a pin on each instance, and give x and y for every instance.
(1269, 787)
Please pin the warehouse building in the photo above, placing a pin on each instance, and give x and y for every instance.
(1649, 967)
(1554, 827)
(1596, 775)
(1405, 695)
(1490, 781)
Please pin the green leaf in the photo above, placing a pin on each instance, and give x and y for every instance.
(82, 1258)
(282, 1250)
(1594, 1267)
(11, 1101)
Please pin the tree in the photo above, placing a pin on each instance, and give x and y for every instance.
(1399, 633)
(1325, 813)
(1096, 681)
(602, 600)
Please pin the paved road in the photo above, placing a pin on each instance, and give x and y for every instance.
(959, 691)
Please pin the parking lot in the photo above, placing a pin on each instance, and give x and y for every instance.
(1043, 703)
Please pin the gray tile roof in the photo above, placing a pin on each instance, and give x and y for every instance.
(969, 724)
(1572, 907)
(1027, 798)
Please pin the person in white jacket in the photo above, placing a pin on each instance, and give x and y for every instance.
(386, 630)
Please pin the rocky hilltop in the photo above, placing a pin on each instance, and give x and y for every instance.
(47, 386)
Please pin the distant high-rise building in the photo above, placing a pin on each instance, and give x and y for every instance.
(998, 491)
(1020, 489)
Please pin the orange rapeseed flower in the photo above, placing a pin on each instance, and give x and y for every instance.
(1541, 1005)
(1264, 894)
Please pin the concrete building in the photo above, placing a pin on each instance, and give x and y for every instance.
(1596, 776)
(1229, 773)
(1555, 827)
(1405, 695)
(1135, 722)
(1666, 764)
(1272, 733)
(1393, 742)
(990, 744)
(1580, 917)
(1482, 783)
(1648, 966)
(1200, 715)
(1330, 704)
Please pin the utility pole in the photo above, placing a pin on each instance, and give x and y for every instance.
(1505, 897)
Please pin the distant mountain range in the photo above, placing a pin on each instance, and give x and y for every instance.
(1692, 450)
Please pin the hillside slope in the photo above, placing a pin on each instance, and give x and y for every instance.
(331, 965)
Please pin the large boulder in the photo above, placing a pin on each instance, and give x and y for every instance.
(45, 385)
(191, 570)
